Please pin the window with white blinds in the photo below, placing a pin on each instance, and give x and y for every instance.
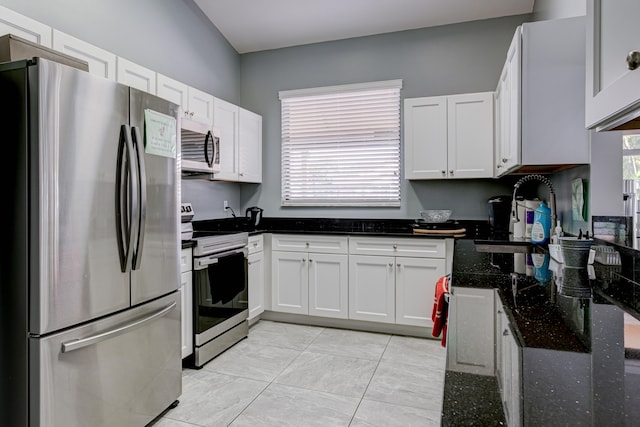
(341, 145)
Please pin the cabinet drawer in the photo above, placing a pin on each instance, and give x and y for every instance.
(408, 247)
(185, 260)
(310, 243)
(256, 244)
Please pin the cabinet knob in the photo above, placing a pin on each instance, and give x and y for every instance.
(390, 264)
(506, 332)
(633, 60)
(241, 174)
(310, 260)
(498, 166)
(444, 172)
(450, 171)
(504, 160)
(395, 246)
(307, 243)
(302, 260)
(398, 265)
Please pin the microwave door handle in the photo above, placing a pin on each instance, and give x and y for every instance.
(123, 214)
(138, 144)
(206, 149)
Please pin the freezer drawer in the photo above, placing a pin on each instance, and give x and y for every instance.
(120, 371)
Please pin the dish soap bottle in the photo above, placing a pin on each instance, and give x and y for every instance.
(541, 225)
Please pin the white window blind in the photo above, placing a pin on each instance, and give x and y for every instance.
(341, 145)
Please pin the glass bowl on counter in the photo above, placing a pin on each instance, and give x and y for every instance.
(435, 215)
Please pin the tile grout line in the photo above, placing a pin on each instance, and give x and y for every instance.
(275, 377)
(370, 379)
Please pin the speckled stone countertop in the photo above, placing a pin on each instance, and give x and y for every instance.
(581, 315)
(367, 227)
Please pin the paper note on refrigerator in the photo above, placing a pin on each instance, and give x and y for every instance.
(159, 134)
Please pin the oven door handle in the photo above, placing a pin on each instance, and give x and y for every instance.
(200, 263)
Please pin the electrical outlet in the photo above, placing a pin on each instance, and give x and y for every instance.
(226, 205)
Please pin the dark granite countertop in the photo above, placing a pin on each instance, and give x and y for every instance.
(345, 226)
(579, 313)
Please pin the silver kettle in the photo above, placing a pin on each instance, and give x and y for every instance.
(254, 215)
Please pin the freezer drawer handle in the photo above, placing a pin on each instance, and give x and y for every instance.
(103, 336)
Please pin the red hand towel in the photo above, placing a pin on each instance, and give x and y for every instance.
(440, 306)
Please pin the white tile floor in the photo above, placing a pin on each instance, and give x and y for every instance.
(294, 375)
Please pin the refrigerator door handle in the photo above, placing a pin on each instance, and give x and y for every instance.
(77, 344)
(126, 199)
(138, 144)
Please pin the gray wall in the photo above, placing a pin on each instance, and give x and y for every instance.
(172, 37)
(555, 9)
(444, 60)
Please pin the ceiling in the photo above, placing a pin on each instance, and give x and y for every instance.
(255, 25)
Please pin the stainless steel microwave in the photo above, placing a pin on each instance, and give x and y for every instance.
(200, 147)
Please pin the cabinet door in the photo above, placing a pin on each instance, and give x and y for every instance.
(290, 282)
(511, 382)
(13, 23)
(136, 76)
(509, 108)
(225, 118)
(372, 288)
(172, 90)
(612, 32)
(101, 62)
(425, 138)
(470, 135)
(415, 288)
(249, 147)
(328, 285)
(470, 331)
(186, 315)
(256, 284)
(200, 106)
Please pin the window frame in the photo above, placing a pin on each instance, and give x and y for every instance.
(391, 147)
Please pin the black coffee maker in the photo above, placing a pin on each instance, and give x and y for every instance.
(254, 216)
(500, 213)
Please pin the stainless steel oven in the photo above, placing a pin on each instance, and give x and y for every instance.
(220, 303)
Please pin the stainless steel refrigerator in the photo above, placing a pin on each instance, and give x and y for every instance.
(89, 303)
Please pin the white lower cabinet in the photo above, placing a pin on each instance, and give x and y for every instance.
(415, 287)
(508, 365)
(372, 288)
(470, 331)
(256, 271)
(186, 301)
(308, 282)
(392, 280)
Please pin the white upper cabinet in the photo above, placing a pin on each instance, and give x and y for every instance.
(470, 135)
(200, 105)
(449, 136)
(240, 142)
(225, 118)
(172, 90)
(101, 62)
(507, 110)
(425, 137)
(540, 99)
(24, 27)
(250, 146)
(136, 76)
(196, 104)
(613, 84)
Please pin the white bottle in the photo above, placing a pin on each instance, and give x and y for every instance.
(557, 233)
